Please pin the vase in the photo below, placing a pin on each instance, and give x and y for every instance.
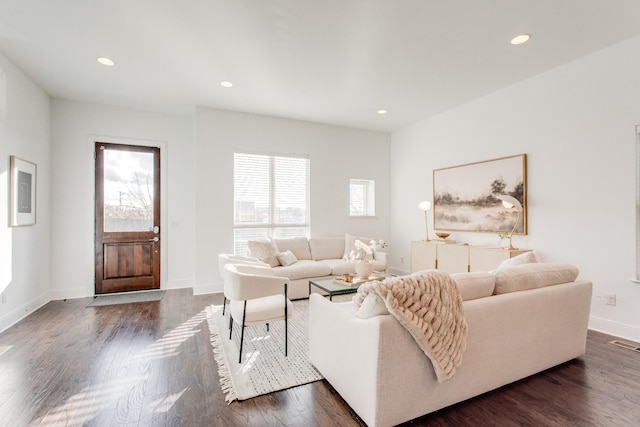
(364, 269)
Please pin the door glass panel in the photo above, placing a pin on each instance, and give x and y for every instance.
(128, 191)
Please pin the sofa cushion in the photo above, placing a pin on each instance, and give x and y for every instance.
(265, 251)
(287, 258)
(525, 258)
(534, 275)
(475, 285)
(303, 269)
(298, 245)
(350, 245)
(326, 247)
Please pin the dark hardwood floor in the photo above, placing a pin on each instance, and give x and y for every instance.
(152, 364)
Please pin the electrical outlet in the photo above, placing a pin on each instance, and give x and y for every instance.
(401, 260)
(611, 299)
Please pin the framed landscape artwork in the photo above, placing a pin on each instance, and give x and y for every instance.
(23, 192)
(465, 196)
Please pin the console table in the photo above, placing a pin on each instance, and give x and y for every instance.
(457, 257)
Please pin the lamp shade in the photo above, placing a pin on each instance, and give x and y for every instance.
(424, 205)
(510, 201)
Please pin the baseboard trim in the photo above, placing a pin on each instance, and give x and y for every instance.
(208, 288)
(13, 317)
(617, 329)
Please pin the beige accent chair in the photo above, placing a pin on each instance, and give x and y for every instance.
(224, 259)
(256, 297)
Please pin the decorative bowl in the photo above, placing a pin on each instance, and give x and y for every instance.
(443, 235)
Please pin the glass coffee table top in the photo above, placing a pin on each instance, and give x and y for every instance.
(335, 286)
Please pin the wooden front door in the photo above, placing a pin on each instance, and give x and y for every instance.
(127, 238)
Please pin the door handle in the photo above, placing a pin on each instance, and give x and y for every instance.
(155, 239)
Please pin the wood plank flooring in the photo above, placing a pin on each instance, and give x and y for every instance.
(151, 364)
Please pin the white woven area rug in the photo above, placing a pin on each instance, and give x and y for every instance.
(264, 368)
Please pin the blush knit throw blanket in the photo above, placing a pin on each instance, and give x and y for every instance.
(429, 305)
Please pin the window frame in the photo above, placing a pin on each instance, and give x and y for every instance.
(369, 197)
(272, 226)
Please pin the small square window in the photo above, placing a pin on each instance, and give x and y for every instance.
(362, 197)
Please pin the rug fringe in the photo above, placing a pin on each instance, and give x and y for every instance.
(221, 361)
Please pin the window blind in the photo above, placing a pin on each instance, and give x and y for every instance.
(271, 198)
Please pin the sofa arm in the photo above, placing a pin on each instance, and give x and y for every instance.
(345, 350)
(382, 257)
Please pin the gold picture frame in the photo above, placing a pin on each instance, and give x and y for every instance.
(23, 192)
(464, 197)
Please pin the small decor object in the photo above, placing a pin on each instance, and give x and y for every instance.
(23, 192)
(510, 202)
(364, 269)
(443, 235)
(347, 278)
(425, 206)
(363, 250)
(465, 198)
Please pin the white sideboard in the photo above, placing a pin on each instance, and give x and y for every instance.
(457, 257)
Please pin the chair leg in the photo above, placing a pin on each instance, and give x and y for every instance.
(224, 305)
(267, 327)
(244, 315)
(286, 322)
(230, 325)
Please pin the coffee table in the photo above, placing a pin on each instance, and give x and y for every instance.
(332, 288)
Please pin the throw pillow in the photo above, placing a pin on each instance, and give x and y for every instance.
(532, 276)
(287, 258)
(265, 251)
(372, 306)
(525, 258)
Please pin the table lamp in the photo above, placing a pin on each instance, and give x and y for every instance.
(511, 202)
(425, 206)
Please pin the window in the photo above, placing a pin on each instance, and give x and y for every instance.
(362, 199)
(271, 198)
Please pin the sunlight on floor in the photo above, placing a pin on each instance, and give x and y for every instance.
(5, 349)
(117, 393)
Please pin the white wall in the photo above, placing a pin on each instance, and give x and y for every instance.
(576, 124)
(75, 127)
(24, 251)
(337, 154)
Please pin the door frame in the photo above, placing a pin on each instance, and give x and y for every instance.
(163, 192)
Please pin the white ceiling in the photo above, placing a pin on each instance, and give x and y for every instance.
(328, 61)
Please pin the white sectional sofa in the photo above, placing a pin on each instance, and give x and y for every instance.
(521, 320)
(313, 258)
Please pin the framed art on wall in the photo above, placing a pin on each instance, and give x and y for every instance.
(466, 196)
(23, 192)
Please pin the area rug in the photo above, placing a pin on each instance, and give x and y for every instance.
(126, 298)
(264, 368)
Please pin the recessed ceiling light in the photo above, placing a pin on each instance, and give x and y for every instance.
(225, 83)
(382, 111)
(520, 38)
(106, 61)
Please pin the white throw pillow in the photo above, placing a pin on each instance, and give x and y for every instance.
(265, 251)
(287, 258)
(372, 306)
(532, 276)
(525, 258)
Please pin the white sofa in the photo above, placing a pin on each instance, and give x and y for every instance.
(315, 258)
(518, 325)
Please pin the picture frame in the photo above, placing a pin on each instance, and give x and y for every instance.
(23, 186)
(464, 196)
